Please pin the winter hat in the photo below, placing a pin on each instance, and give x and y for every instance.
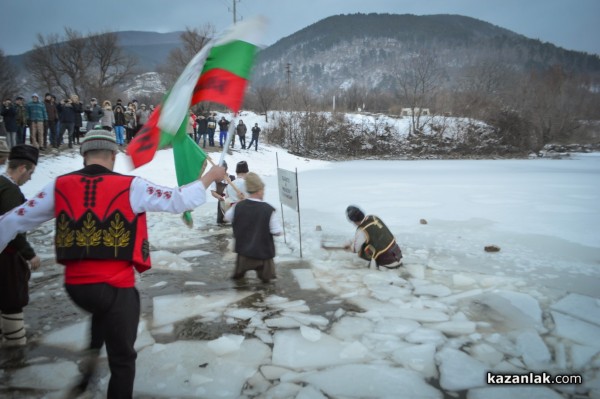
(35, 95)
(253, 183)
(26, 152)
(99, 139)
(354, 214)
(241, 167)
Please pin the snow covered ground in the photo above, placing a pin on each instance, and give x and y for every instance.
(431, 329)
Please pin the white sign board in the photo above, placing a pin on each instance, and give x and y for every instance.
(288, 188)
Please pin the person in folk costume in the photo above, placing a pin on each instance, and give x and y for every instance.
(254, 225)
(373, 240)
(17, 253)
(101, 238)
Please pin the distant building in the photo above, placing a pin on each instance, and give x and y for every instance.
(417, 111)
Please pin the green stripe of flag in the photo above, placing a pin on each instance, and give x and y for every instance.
(235, 57)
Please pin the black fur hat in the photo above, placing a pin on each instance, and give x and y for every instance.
(354, 214)
(26, 152)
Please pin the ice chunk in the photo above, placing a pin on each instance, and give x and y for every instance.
(425, 336)
(52, 376)
(355, 350)
(310, 392)
(169, 261)
(582, 355)
(416, 270)
(525, 303)
(75, 337)
(455, 327)
(159, 284)
(462, 280)
(499, 309)
(168, 309)
(513, 392)
(305, 278)
(282, 390)
(396, 326)
(535, 352)
(226, 344)
(194, 370)
(486, 354)
(291, 349)
(282, 322)
(433, 290)
(310, 334)
(370, 381)
(580, 306)
(307, 318)
(350, 327)
(193, 253)
(460, 371)
(273, 372)
(242, 314)
(419, 358)
(576, 330)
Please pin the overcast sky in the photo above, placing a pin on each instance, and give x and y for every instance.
(571, 24)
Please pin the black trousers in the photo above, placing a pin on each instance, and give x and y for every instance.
(115, 317)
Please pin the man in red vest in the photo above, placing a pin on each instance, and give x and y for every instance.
(101, 237)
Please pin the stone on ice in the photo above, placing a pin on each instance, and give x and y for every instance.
(580, 306)
(420, 358)
(370, 381)
(225, 344)
(513, 392)
(534, 350)
(460, 371)
(576, 330)
(455, 327)
(291, 349)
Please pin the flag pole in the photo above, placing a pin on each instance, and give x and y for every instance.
(228, 139)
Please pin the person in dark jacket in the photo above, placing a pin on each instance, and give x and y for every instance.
(211, 125)
(50, 123)
(94, 113)
(78, 128)
(21, 118)
(255, 133)
(254, 225)
(120, 123)
(202, 128)
(241, 130)
(9, 113)
(18, 254)
(68, 115)
(373, 240)
(223, 126)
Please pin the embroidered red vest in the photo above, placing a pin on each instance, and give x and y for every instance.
(94, 220)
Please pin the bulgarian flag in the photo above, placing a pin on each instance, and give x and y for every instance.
(218, 73)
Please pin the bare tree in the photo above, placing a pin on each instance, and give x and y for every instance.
(77, 64)
(8, 78)
(417, 79)
(193, 41)
(111, 67)
(266, 97)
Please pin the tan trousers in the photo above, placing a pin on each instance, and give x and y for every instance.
(36, 131)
